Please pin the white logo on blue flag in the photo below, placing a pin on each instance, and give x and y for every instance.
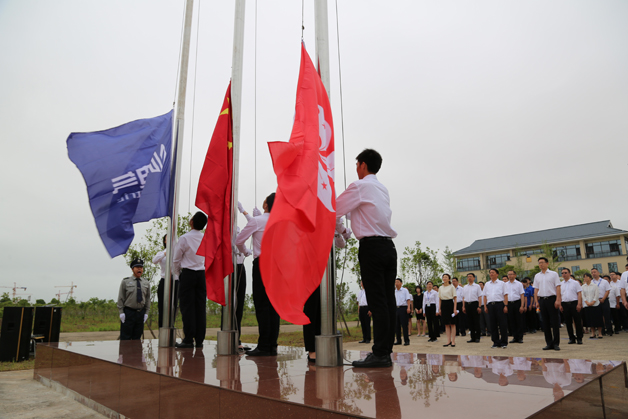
(127, 173)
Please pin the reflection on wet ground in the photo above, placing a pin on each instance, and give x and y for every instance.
(416, 383)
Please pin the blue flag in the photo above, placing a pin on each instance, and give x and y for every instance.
(127, 173)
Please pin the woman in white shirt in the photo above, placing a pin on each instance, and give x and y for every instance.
(592, 310)
(447, 296)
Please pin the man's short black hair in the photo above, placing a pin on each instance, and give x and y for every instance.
(270, 200)
(199, 221)
(565, 269)
(372, 159)
(471, 273)
(542, 258)
(588, 275)
(429, 282)
(455, 279)
(493, 269)
(512, 270)
(607, 277)
(399, 279)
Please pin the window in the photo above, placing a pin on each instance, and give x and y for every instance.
(529, 252)
(612, 267)
(468, 264)
(560, 270)
(575, 268)
(563, 253)
(497, 261)
(598, 266)
(603, 249)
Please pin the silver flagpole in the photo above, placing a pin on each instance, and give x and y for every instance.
(329, 343)
(227, 336)
(167, 332)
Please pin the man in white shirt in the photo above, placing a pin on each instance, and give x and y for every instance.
(571, 293)
(496, 305)
(192, 289)
(404, 309)
(367, 204)
(431, 306)
(547, 297)
(472, 295)
(623, 289)
(516, 310)
(614, 301)
(365, 316)
(461, 317)
(160, 259)
(267, 317)
(604, 287)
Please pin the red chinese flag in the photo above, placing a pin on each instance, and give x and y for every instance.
(300, 230)
(213, 197)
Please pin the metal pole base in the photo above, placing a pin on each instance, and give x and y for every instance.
(166, 337)
(329, 351)
(227, 342)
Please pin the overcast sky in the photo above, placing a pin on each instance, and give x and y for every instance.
(493, 118)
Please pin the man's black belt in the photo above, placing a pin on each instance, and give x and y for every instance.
(136, 309)
(545, 298)
(402, 306)
(192, 270)
(370, 238)
(494, 302)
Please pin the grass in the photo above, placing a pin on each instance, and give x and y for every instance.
(17, 366)
(296, 338)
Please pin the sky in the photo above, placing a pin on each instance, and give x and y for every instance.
(492, 117)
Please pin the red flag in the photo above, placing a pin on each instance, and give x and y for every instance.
(300, 230)
(213, 197)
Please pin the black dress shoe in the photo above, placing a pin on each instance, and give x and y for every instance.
(477, 341)
(471, 341)
(257, 352)
(397, 343)
(199, 345)
(432, 340)
(579, 341)
(183, 345)
(496, 346)
(548, 348)
(373, 361)
(364, 341)
(557, 348)
(406, 343)
(513, 341)
(571, 342)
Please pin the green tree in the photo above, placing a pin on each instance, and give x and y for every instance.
(55, 301)
(5, 298)
(40, 301)
(420, 266)
(450, 266)
(579, 274)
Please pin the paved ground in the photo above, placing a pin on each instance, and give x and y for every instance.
(22, 397)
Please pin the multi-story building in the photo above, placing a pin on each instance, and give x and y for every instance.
(584, 246)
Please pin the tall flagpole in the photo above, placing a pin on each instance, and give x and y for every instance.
(167, 332)
(227, 336)
(329, 343)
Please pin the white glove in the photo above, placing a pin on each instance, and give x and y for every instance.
(256, 212)
(347, 233)
(248, 252)
(145, 317)
(240, 207)
(122, 317)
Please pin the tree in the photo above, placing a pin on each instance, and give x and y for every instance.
(40, 301)
(450, 266)
(579, 274)
(420, 266)
(55, 301)
(5, 298)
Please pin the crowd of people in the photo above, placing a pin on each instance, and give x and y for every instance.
(509, 308)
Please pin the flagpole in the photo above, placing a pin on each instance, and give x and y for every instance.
(329, 343)
(167, 331)
(227, 336)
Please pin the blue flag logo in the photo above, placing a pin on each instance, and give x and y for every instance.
(127, 173)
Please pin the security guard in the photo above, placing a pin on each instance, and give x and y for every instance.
(134, 302)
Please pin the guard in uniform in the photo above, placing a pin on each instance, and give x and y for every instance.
(134, 302)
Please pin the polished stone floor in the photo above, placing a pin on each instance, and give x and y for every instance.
(417, 384)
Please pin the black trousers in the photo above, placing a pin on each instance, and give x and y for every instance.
(516, 320)
(551, 321)
(378, 268)
(365, 322)
(240, 278)
(499, 323)
(312, 310)
(571, 315)
(531, 320)
(193, 305)
(461, 320)
(606, 313)
(485, 324)
(473, 319)
(402, 324)
(430, 318)
(267, 317)
(174, 289)
(133, 325)
(616, 314)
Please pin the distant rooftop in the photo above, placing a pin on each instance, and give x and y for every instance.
(538, 238)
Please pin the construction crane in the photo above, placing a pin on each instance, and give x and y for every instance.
(15, 288)
(69, 293)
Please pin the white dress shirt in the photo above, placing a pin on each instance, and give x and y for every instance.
(623, 282)
(472, 361)
(362, 298)
(431, 298)
(514, 290)
(501, 366)
(368, 203)
(520, 363)
(546, 283)
(602, 286)
(254, 227)
(402, 296)
(494, 291)
(580, 366)
(471, 292)
(569, 290)
(185, 256)
(612, 296)
(160, 258)
(590, 293)
(460, 294)
(556, 374)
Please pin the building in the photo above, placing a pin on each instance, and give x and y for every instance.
(584, 246)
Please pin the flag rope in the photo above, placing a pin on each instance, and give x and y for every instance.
(255, 109)
(176, 79)
(198, 27)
